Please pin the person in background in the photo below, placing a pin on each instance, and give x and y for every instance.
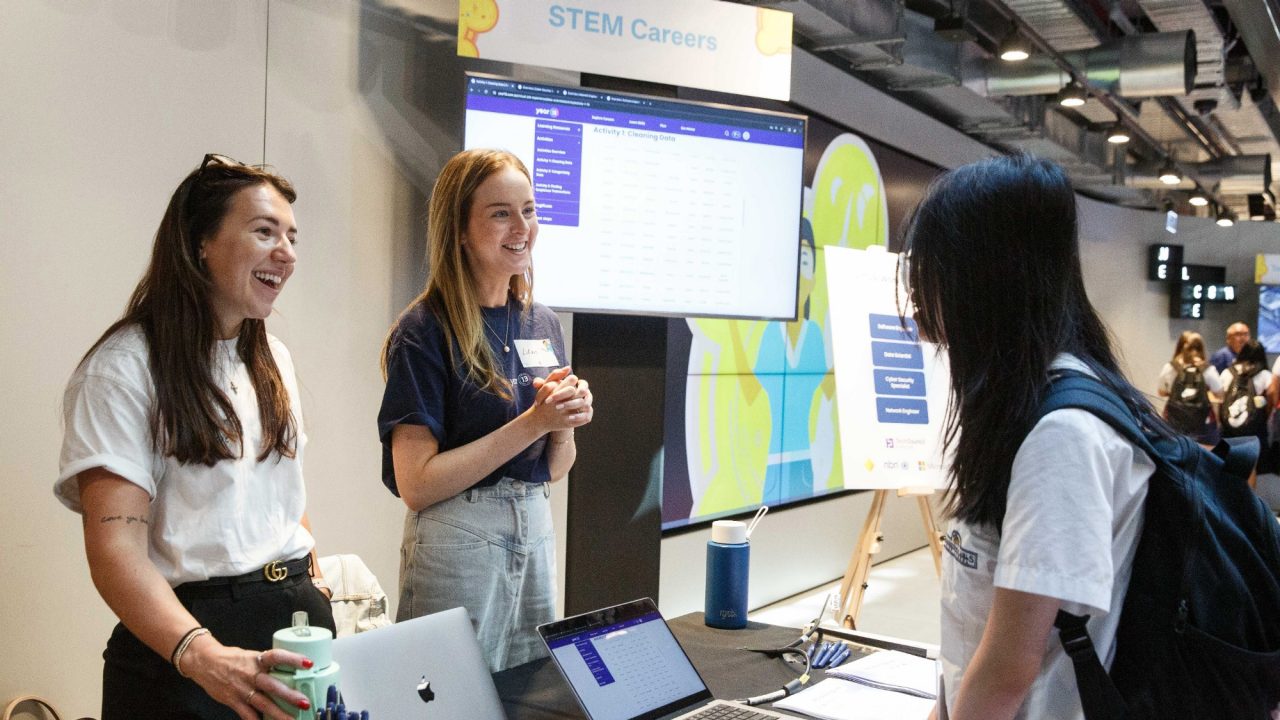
(1045, 511)
(1237, 336)
(1245, 407)
(479, 412)
(1193, 387)
(183, 452)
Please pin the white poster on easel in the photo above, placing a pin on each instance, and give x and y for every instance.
(891, 387)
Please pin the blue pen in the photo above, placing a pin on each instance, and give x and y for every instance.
(830, 653)
(841, 655)
(825, 656)
(822, 653)
(364, 715)
(839, 650)
(818, 649)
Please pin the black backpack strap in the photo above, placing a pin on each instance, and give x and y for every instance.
(1239, 454)
(1072, 389)
(1098, 695)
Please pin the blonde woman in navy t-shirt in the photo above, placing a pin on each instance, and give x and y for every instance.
(479, 412)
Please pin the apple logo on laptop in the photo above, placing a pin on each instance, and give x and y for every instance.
(424, 690)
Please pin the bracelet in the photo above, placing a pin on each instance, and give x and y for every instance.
(176, 658)
(562, 442)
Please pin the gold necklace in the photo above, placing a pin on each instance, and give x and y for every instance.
(506, 348)
(230, 368)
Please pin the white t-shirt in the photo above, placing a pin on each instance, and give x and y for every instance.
(1212, 379)
(1235, 416)
(1261, 380)
(1072, 521)
(205, 522)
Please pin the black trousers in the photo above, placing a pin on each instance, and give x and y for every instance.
(138, 684)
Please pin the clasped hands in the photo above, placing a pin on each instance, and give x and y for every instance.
(563, 400)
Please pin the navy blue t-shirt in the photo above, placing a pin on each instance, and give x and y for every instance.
(425, 388)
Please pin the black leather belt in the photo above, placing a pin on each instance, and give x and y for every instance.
(273, 572)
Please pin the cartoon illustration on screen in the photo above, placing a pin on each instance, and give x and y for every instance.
(760, 412)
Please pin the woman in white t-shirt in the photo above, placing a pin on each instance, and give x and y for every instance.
(183, 451)
(1045, 513)
(1246, 410)
(1251, 360)
(1198, 387)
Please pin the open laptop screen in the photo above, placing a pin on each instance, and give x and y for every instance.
(623, 663)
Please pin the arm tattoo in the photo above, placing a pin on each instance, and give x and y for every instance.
(126, 519)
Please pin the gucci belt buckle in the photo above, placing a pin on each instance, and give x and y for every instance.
(275, 571)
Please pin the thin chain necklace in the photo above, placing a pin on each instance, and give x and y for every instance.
(230, 368)
(506, 332)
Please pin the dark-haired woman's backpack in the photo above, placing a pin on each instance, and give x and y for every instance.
(1188, 408)
(1199, 632)
(1244, 410)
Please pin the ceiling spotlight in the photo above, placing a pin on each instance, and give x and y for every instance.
(1169, 174)
(1118, 135)
(1014, 48)
(1199, 199)
(1226, 218)
(1072, 95)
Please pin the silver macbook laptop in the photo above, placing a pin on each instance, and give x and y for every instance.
(383, 670)
(624, 663)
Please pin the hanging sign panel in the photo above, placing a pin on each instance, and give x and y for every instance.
(892, 387)
(1267, 270)
(694, 43)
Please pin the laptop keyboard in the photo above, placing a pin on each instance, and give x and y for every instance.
(730, 712)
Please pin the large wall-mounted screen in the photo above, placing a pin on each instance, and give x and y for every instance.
(1269, 317)
(649, 205)
(751, 411)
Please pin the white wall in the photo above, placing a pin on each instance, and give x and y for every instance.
(106, 105)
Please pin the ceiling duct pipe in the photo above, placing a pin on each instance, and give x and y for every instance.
(1238, 174)
(1230, 175)
(1134, 66)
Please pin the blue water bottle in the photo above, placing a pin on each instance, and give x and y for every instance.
(728, 561)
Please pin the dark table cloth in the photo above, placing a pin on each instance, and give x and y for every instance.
(537, 691)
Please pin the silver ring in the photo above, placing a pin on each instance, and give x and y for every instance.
(259, 660)
(249, 700)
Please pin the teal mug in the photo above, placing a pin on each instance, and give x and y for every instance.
(317, 644)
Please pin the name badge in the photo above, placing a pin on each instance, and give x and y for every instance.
(536, 353)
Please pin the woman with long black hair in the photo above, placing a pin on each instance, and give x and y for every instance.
(183, 452)
(1047, 511)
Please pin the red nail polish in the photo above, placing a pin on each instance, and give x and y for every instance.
(304, 704)
(307, 665)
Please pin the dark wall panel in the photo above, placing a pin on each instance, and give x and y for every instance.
(614, 527)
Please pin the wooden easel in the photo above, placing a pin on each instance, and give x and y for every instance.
(854, 585)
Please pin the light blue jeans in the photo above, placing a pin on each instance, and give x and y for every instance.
(492, 551)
